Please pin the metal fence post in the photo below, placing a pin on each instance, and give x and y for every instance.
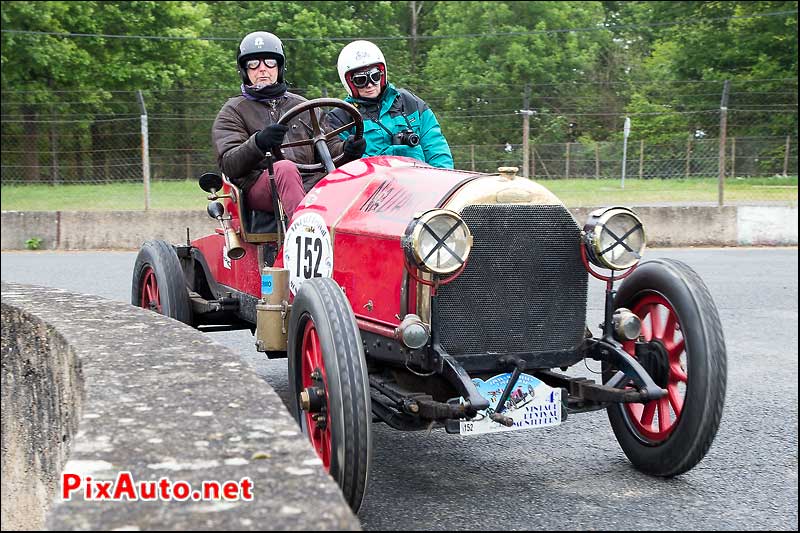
(54, 176)
(723, 132)
(688, 154)
(733, 157)
(566, 167)
(786, 155)
(145, 152)
(526, 119)
(626, 131)
(533, 162)
(596, 161)
(641, 159)
(472, 156)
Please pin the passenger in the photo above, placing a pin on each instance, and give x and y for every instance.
(245, 129)
(396, 121)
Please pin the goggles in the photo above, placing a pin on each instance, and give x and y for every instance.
(254, 63)
(362, 79)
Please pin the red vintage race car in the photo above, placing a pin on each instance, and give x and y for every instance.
(425, 297)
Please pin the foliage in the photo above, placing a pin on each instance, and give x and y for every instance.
(481, 76)
(717, 42)
(48, 65)
(476, 63)
(34, 243)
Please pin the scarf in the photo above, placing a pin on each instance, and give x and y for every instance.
(264, 94)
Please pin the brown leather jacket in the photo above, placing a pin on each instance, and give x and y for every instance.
(233, 137)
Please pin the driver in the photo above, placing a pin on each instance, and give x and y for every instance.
(396, 121)
(246, 128)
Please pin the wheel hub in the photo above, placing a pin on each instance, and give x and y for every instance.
(653, 356)
(312, 399)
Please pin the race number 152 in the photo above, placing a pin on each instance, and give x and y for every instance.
(309, 255)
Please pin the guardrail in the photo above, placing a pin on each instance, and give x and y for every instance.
(96, 388)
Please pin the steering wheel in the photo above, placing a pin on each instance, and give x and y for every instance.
(317, 138)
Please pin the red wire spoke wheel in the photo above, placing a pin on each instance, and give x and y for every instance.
(329, 385)
(685, 354)
(666, 364)
(149, 299)
(313, 375)
(158, 283)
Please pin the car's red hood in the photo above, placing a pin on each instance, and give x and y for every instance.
(379, 195)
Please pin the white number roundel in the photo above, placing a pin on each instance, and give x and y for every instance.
(307, 251)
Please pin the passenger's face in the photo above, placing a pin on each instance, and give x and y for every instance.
(367, 82)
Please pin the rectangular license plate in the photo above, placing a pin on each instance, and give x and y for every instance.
(532, 404)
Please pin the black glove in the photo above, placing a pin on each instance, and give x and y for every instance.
(354, 148)
(271, 137)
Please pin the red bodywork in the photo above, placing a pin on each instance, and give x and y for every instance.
(367, 205)
(243, 274)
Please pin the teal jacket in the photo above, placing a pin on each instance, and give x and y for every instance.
(392, 110)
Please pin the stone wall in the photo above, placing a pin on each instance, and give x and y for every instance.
(42, 395)
(96, 388)
(665, 226)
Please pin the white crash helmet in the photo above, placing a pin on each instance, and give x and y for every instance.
(356, 55)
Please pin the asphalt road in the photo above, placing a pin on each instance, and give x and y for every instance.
(574, 476)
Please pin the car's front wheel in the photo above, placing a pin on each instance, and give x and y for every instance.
(684, 354)
(329, 385)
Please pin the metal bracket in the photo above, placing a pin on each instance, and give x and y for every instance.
(612, 352)
(458, 377)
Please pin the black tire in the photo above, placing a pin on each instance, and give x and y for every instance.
(320, 306)
(673, 291)
(158, 282)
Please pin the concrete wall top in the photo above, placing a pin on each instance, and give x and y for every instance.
(161, 400)
(664, 225)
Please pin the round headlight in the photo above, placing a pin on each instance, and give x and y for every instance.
(438, 242)
(614, 238)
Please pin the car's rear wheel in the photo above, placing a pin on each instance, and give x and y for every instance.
(685, 354)
(329, 385)
(158, 283)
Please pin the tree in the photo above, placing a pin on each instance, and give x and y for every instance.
(481, 76)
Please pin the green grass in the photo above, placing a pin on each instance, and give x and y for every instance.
(164, 195)
(187, 195)
(589, 192)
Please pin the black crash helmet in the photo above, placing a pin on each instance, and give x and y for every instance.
(260, 44)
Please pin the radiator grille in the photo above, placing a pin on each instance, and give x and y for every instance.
(524, 287)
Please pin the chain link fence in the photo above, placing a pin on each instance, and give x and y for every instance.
(745, 157)
(46, 144)
(83, 139)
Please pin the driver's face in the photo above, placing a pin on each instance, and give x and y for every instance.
(262, 74)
